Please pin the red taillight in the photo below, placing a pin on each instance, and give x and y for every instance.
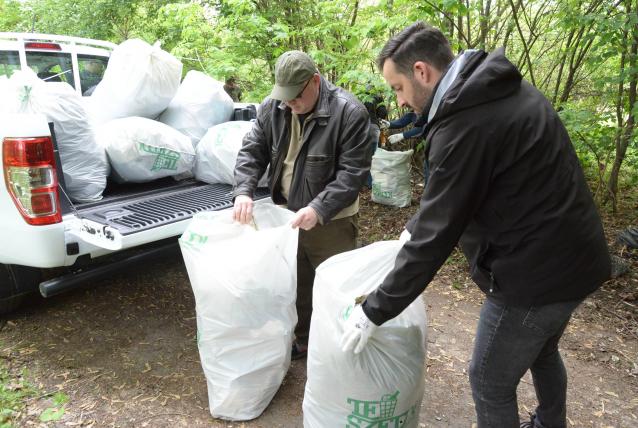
(29, 172)
(43, 45)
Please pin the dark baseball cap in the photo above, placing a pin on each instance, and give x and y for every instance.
(293, 69)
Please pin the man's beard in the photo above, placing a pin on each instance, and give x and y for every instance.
(422, 95)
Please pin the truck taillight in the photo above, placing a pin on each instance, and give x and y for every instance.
(29, 172)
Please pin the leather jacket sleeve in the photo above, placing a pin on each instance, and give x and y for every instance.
(254, 156)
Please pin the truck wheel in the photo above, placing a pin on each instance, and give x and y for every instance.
(15, 283)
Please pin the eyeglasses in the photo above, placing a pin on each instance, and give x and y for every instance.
(302, 91)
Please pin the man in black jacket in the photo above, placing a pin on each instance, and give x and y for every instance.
(317, 139)
(506, 184)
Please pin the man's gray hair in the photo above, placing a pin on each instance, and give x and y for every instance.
(418, 42)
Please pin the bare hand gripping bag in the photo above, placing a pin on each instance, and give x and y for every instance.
(383, 385)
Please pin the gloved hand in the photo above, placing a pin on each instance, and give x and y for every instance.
(357, 330)
(405, 235)
(395, 138)
(384, 124)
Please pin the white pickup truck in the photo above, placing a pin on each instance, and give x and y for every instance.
(49, 243)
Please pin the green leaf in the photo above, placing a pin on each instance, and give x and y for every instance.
(52, 414)
(60, 398)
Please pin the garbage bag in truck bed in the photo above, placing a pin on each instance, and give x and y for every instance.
(84, 162)
(142, 149)
(200, 103)
(140, 80)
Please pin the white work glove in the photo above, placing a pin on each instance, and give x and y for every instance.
(395, 138)
(384, 124)
(405, 236)
(357, 330)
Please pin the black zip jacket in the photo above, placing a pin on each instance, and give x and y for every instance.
(505, 183)
(332, 164)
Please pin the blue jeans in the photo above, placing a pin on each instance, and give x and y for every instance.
(509, 341)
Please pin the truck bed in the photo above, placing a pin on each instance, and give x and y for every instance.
(132, 208)
(135, 207)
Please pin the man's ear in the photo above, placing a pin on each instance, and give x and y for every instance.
(422, 71)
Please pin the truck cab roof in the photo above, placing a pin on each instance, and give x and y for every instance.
(77, 61)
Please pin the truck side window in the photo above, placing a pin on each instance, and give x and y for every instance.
(91, 71)
(9, 62)
(51, 66)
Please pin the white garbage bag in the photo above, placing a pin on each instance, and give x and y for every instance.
(84, 162)
(143, 150)
(391, 178)
(244, 280)
(201, 102)
(140, 80)
(383, 385)
(217, 153)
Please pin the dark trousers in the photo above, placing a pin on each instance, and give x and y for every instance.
(510, 341)
(315, 246)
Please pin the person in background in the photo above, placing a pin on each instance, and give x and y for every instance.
(232, 88)
(505, 183)
(378, 114)
(316, 137)
(91, 75)
(402, 122)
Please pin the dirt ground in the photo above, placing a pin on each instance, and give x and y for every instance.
(125, 351)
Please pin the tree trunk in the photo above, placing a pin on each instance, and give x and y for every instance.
(625, 127)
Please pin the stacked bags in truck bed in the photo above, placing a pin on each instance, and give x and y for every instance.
(142, 84)
(140, 123)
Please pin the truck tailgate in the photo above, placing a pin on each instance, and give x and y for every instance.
(131, 220)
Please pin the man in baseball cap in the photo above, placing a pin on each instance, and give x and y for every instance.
(293, 70)
(316, 137)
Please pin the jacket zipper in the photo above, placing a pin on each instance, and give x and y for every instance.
(493, 285)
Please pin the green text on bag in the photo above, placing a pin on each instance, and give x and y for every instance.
(165, 159)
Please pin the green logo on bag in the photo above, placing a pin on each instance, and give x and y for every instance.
(379, 192)
(165, 159)
(193, 240)
(196, 238)
(347, 312)
(378, 414)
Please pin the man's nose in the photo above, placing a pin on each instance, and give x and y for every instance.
(401, 101)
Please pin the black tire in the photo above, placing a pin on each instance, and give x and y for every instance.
(15, 283)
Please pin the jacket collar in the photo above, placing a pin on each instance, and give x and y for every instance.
(446, 81)
(458, 66)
